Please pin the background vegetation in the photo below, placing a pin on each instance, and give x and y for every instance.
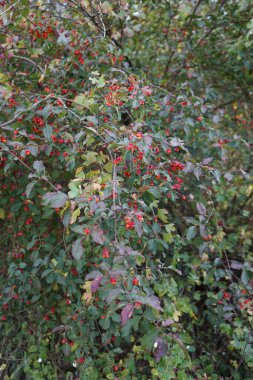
(126, 192)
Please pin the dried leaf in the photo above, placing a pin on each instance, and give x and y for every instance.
(167, 322)
(189, 167)
(97, 235)
(161, 348)
(87, 296)
(126, 313)
(202, 230)
(95, 284)
(93, 274)
(201, 208)
(236, 265)
(151, 301)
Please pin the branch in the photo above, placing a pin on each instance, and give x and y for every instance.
(29, 60)
(6, 10)
(32, 170)
(18, 114)
(193, 14)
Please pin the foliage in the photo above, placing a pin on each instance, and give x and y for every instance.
(125, 190)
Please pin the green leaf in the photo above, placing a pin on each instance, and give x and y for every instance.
(38, 167)
(56, 200)
(83, 100)
(191, 233)
(91, 157)
(47, 132)
(161, 213)
(77, 249)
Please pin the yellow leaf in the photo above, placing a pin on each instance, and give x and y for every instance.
(176, 315)
(168, 237)
(87, 296)
(2, 213)
(3, 78)
(149, 274)
(75, 215)
(75, 346)
(96, 186)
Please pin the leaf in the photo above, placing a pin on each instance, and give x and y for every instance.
(3, 78)
(93, 274)
(77, 249)
(138, 227)
(56, 200)
(29, 188)
(228, 176)
(176, 339)
(167, 322)
(62, 39)
(176, 142)
(79, 135)
(168, 237)
(91, 157)
(38, 166)
(83, 100)
(189, 167)
(87, 296)
(151, 301)
(2, 213)
(75, 215)
(154, 191)
(162, 215)
(202, 230)
(236, 265)
(245, 277)
(34, 150)
(197, 172)
(97, 235)
(100, 82)
(92, 119)
(161, 348)
(47, 132)
(126, 313)
(207, 160)
(201, 208)
(191, 233)
(113, 294)
(95, 284)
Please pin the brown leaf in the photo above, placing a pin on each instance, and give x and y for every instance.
(126, 313)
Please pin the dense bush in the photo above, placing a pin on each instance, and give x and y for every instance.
(126, 190)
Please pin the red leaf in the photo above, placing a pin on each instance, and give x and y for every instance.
(95, 284)
(97, 235)
(126, 313)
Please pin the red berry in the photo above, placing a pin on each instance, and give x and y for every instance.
(106, 253)
(135, 281)
(113, 280)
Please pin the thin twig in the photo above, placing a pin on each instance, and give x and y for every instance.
(6, 10)
(28, 60)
